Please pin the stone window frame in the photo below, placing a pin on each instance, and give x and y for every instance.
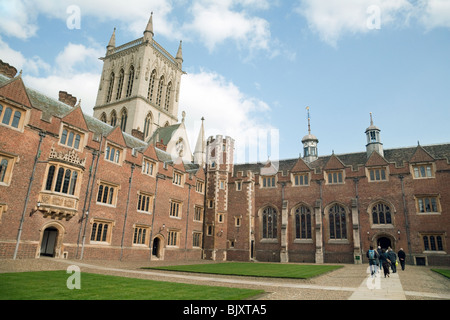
(173, 238)
(12, 116)
(96, 222)
(373, 177)
(197, 237)
(71, 130)
(422, 197)
(145, 202)
(54, 180)
(304, 175)
(429, 170)
(110, 201)
(117, 156)
(141, 235)
(6, 174)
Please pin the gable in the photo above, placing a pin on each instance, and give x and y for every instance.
(14, 90)
(116, 136)
(150, 152)
(376, 159)
(421, 155)
(76, 118)
(300, 166)
(334, 163)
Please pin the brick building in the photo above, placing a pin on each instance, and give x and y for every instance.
(124, 184)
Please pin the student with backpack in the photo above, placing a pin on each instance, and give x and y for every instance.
(372, 255)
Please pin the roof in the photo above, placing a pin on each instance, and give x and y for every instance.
(164, 134)
(397, 156)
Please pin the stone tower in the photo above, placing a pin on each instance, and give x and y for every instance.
(219, 166)
(140, 85)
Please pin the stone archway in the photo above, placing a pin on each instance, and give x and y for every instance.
(51, 241)
(158, 248)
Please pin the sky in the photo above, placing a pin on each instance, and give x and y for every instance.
(254, 66)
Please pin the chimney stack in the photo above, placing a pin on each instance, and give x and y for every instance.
(67, 98)
(7, 70)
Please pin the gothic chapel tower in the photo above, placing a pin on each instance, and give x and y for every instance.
(140, 85)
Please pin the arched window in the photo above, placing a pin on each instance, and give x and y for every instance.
(338, 222)
(123, 120)
(103, 117)
(381, 214)
(160, 91)
(7, 116)
(120, 84)
(113, 118)
(269, 223)
(168, 95)
(303, 223)
(130, 82)
(16, 119)
(147, 125)
(50, 175)
(110, 88)
(151, 85)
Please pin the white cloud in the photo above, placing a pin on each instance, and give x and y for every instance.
(17, 20)
(227, 110)
(435, 13)
(218, 21)
(332, 19)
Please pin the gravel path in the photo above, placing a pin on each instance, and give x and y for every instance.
(419, 283)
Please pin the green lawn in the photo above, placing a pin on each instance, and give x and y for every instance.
(51, 285)
(444, 272)
(270, 270)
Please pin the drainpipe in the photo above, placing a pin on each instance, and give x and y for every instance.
(90, 198)
(163, 177)
(405, 212)
(126, 210)
(19, 232)
(94, 155)
(187, 223)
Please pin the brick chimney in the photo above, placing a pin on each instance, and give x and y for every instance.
(137, 134)
(67, 98)
(7, 70)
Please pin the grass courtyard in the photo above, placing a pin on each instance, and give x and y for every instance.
(268, 270)
(52, 285)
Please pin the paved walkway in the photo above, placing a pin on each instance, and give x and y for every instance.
(351, 282)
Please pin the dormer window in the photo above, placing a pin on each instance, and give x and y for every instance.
(113, 154)
(423, 171)
(11, 117)
(177, 178)
(71, 138)
(268, 182)
(335, 177)
(377, 174)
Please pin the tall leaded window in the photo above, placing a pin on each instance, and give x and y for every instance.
(151, 86)
(101, 231)
(433, 243)
(269, 223)
(113, 118)
(110, 88)
(6, 164)
(120, 84)
(160, 91)
(381, 214)
(61, 180)
(10, 116)
(147, 125)
(123, 120)
(303, 223)
(130, 82)
(168, 93)
(338, 222)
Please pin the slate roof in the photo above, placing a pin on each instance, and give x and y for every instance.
(397, 156)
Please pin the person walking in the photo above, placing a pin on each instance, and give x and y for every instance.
(385, 262)
(372, 255)
(379, 264)
(393, 258)
(402, 256)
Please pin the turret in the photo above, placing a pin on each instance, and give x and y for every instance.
(148, 33)
(310, 142)
(112, 43)
(373, 139)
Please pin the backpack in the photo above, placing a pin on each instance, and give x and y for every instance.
(371, 255)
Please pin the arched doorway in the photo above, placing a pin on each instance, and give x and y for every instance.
(49, 241)
(384, 242)
(156, 248)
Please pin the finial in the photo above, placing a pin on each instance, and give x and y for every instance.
(183, 114)
(203, 119)
(309, 121)
(371, 119)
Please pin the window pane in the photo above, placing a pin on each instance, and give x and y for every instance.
(100, 193)
(7, 116)
(94, 231)
(65, 188)
(64, 137)
(59, 180)
(111, 195)
(77, 141)
(3, 167)
(70, 141)
(99, 232)
(425, 243)
(73, 183)
(16, 119)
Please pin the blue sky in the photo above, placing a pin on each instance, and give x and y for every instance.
(253, 66)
